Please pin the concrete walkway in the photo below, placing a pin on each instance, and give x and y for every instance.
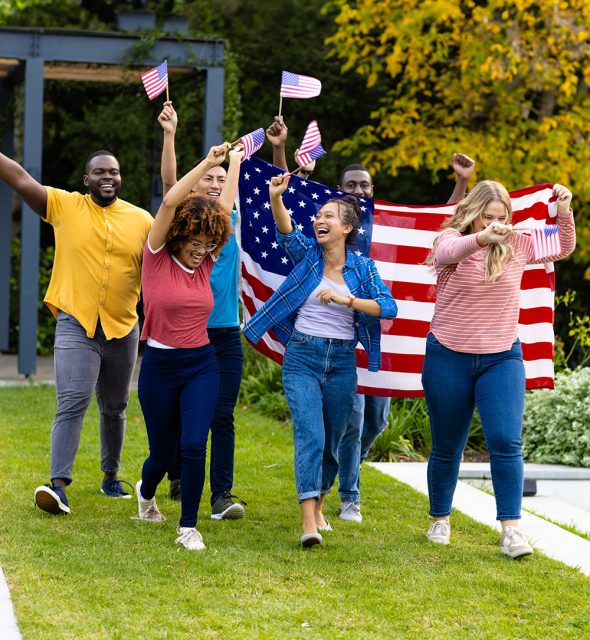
(10, 377)
(549, 538)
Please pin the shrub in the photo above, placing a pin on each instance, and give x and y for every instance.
(556, 423)
(407, 436)
(46, 326)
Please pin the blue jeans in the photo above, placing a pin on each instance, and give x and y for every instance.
(84, 365)
(228, 349)
(367, 421)
(178, 391)
(453, 384)
(230, 356)
(319, 378)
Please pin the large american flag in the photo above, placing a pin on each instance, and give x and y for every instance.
(398, 238)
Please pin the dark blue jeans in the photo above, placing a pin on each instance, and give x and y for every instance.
(228, 350)
(178, 391)
(453, 384)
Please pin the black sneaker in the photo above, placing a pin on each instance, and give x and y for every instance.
(174, 491)
(224, 508)
(52, 499)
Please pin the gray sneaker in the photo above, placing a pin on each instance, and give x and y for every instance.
(350, 511)
(148, 509)
(515, 544)
(439, 532)
(224, 508)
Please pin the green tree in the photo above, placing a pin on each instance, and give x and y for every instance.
(504, 80)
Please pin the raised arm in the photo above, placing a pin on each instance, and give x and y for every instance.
(278, 185)
(179, 191)
(31, 191)
(277, 135)
(463, 166)
(168, 121)
(230, 189)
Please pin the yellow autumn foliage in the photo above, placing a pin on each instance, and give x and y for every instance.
(505, 81)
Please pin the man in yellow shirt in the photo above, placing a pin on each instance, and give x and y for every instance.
(93, 294)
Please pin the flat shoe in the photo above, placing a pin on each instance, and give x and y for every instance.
(326, 527)
(310, 539)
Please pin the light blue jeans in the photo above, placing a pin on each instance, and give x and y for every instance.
(319, 378)
(453, 384)
(367, 422)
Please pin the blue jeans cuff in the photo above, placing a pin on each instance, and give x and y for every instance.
(307, 495)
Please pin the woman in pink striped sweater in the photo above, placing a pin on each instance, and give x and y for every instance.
(473, 354)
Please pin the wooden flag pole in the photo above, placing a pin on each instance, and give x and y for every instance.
(280, 106)
(167, 94)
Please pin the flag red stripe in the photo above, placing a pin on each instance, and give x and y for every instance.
(536, 315)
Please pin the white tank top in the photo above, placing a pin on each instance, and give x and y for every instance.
(330, 320)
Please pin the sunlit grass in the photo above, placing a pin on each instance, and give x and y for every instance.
(98, 574)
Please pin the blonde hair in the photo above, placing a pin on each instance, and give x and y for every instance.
(468, 210)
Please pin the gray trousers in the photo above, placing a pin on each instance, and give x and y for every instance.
(83, 365)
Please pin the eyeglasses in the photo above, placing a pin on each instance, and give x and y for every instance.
(210, 246)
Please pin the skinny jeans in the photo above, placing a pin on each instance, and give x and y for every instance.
(178, 391)
(454, 383)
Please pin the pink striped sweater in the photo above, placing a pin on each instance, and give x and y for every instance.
(473, 315)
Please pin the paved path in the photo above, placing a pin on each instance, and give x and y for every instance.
(10, 377)
(552, 540)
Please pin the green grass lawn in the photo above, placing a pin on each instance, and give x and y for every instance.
(98, 574)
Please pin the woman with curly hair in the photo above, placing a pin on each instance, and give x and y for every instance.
(331, 300)
(179, 376)
(473, 354)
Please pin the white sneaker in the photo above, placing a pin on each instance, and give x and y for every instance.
(350, 511)
(439, 532)
(148, 509)
(190, 539)
(515, 544)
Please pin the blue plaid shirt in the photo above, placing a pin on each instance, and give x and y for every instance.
(360, 274)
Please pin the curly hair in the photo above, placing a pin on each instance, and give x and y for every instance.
(199, 215)
(349, 210)
(471, 208)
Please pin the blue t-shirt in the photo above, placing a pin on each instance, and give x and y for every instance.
(224, 283)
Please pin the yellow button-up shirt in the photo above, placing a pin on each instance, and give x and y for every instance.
(98, 252)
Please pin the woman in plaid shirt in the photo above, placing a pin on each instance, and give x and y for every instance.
(331, 300)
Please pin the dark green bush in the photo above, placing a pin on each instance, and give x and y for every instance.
(556, 427)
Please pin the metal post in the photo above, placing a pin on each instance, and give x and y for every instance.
(213, 116)
(32, 159)
(6, 138)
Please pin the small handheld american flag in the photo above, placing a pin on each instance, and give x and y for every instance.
(156, 80)
(252, 142)
(295, 86)
(311, 145)
(546, 241)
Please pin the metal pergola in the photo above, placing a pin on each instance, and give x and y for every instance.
(35, 49)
